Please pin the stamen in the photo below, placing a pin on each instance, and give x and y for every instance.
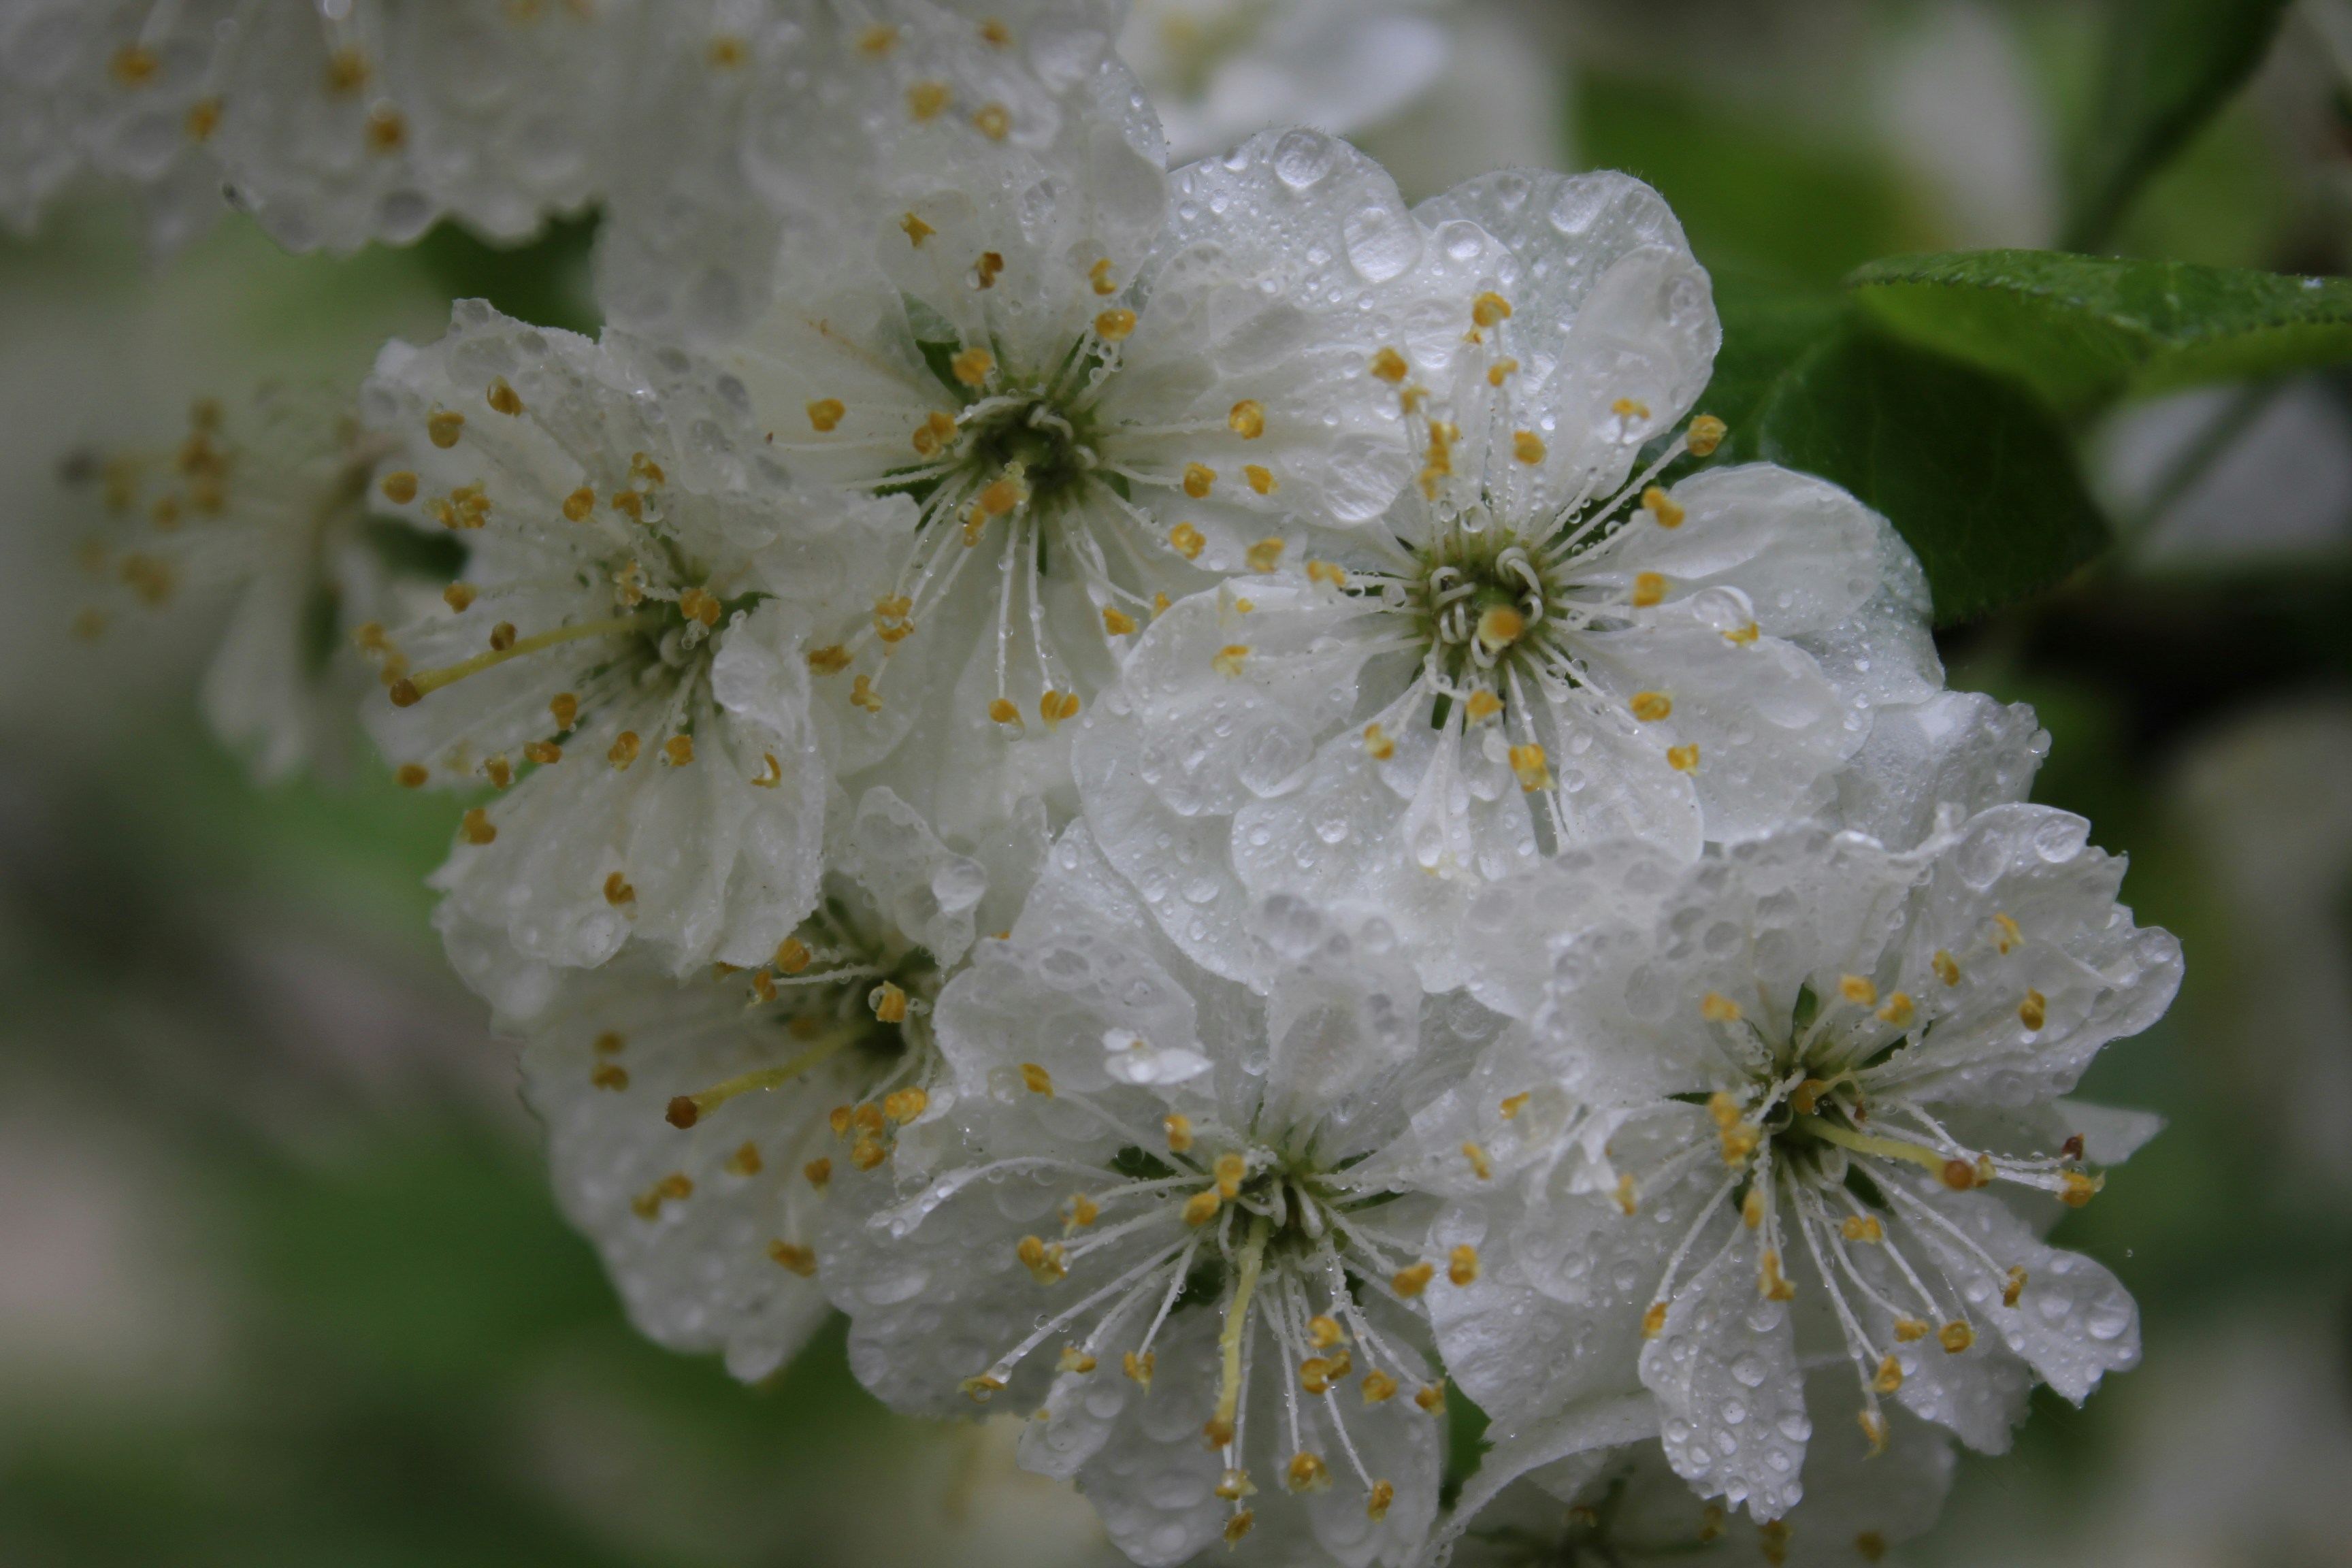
(686, 1110)
(412, 688)
(1220, 1427)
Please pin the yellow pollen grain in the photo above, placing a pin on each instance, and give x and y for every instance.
(1704, 435)
(625, 747)
(1323, 1332)
(1649, 588)
(825, 413)
(1228, 660)
(386, 132)
(1247, 420)
(1889, 1377)
(676, 1187)
(1527, 446)
(1651, 706)
(799, 1260)
(1003, 711)
(972, 366)
(1653, 1321)
(564, 708)
(1099, 275)
(1863, 1227)
(1947, 969)
(1483, 705)
(1036, 1079)
(1074, 1360)
(1432, 1399)
(1389, 366)
(927, 99)
(347, 71)
(411, 776)
(889, 1003)
(1083, 1211)
(1378, 745)
(133, 66)
(993, 121)
(1910, 1329)
(1264, 555)
(1663, 509)
(502, 397)
(1462, 1265)
(1115, 326)
(726, 52)
(1500, 625)
(1478, 1161)
(1261, 478)
(1305, 1473)
(1376, 1505)
(1630, 408)
(1378, 1387)
(1239, 1526)
(1683, 759)
(2014, 1286)
(1412, 1281)
(1187, 539)
(868, 1152)
(1956, 1336)
(1529, 767)
(2009, 935)
(1198, 479)
(2075, 1189)
(442, 426)
(618, 890)
(203, 119)
(1752, 1208)
(1055, 706)
(500, 772)
(904, 1105)
(2033, 1011)
(1771, 1283)
(1625, 1195)
(1138, 1368)
(915, 229)
(1489, 309)
(1230, 1170)
(988, 268)
(477, 827)
(1202, 1207)
(1180, 1132)
(1858, 991)
(609, 1076)
(399, 488)
(1961, 1175)
(1899, 1010)
(1117, 622)
(818, 1172)
(1500, 371)
(457, 595)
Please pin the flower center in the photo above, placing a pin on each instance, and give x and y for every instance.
(1483, 603)
(1028, 436)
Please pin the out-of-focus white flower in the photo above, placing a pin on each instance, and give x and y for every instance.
(1795, 1076)
(2231, 476)
(333, 124)
(1209, 1287)
(694, 1132)
(1104, 387)
(1219, 71)
(625, 650)
(1955, 98)
(1527, 651)
(265, 501)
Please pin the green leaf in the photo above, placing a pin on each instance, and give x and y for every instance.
(2171, 64)
(1974, 474)
(2082, 331)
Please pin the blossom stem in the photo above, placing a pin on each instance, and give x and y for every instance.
(1230, 1338)
(1863, 1143)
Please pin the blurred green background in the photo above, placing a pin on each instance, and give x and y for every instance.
(280, 1281)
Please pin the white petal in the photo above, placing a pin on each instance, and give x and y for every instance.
(1731, 1401)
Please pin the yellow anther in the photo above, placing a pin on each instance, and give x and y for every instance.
(1752, 1208)
(868, 1152)
(1717, 1008)
(1115, 326)
(1653, 1321)
(972, 366)
(1045, 1264)
(1889, 1378)
(477, 827)
(442, 428)
(1910, 1329)
(1499, 371)
(830, 660)
(1389, 366)
(1527, 446)
(2014, 1286)
(1412, 1281)
(1859, 991)
(889, 1003)
(2010, 936)
(988, 268)
(863, 694)
(1899, 1010)
(1432, 1399)
(1239, 1526)
(1528, 767)
(1683, 759)
(826, 413)
(1771, 1283)
(800, 1260)
(1202, 1207)
(1961, 1175)
(1947, 969)
(400, 488)
(499, 771)
(618, 890)
(2075, 1189)
(2033, 1012)
(926, 100)
(1649, 588)
(1378, 1387)
(1625, 1195)
(134, 66)
(1376, 1505)
(878, 40)
(1074, 1360)
(1138, 1367)
(203, 119)
(1377, 744)
(1863, 1227)
(1178, 1127)
(1956, 1336)
(457, 595)
(1462, 1263)
(770, 775)
(1874, 1427)
(904, 1105)
(347, 70)
(1228, 660)
(625, 748)
(1315, 1374)
(818, 1172)
(676, 1187)
(1083, 1211)
(1651, 706)
(1323, 1332)
(982, 1389)
(411, 776)
(915, 229)
(993, 121)
(1036, 1079)
(1483, 705)
(1099, 275)
(1490, 308)
(1003, 711)
(632, 502)
(1264, 555)
(1663, 509)
(678, 750)
(1117, 622)
(1630, 408)
(1231, 1169)
(1515, 1104)
(1704, 435)
(1484, 1167)
(502, 397)
(610, 1076)
(1307, 1473)
(1056, 706)
(1772, 1538)
(1410, 400)
(579, 504)
(1500, 625)
(1187, 541)
(935, 432)
(1198, 479)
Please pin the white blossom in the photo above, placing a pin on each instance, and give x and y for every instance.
(1209, 1287)
(261, 501)
(1797, 1064)
(1106, 386)
(623, 654)
(1518, 657)
(334, 124)
(1221, 70)
(694, 1132)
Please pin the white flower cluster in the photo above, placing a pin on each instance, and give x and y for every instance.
(1195, 796)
